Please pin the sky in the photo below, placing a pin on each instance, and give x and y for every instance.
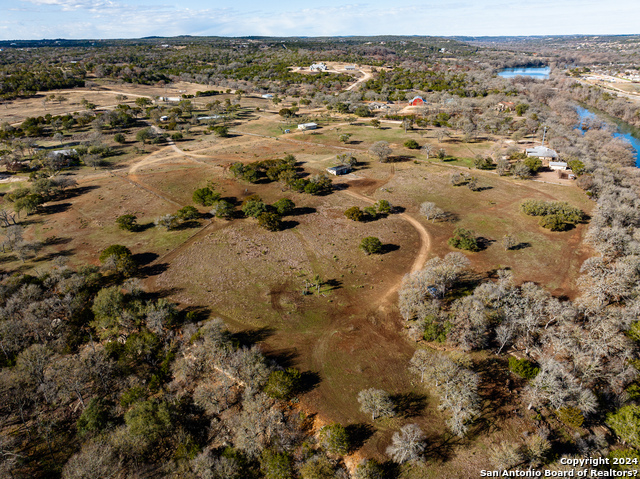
(77, 19)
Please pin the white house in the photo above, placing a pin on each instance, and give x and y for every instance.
(307, 126)
(350, 67)
(557, 165)
(542, 152)
(169, 98)
(319, 67)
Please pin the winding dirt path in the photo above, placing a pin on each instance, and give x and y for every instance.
(423, 252)
(367, 76)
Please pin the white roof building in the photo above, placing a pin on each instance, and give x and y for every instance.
(267, 95)
(557, 165)
(307, 126)
(542, 152)
(321, 67)
(68, 152)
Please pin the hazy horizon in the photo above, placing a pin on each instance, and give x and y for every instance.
(119, 19)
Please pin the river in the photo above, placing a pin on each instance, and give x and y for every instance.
(539, 73)
(624, 130)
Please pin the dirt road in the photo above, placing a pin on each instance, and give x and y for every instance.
(421, 257)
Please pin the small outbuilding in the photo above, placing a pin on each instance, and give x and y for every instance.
(339, 170)
(350, 67)
(164, 118)
(307, 126)
(416, 101)
(558, 165)
(268, 96)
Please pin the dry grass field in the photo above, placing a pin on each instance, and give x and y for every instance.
(345, 334)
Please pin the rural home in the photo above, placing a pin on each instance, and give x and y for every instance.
(542, 152)
(307, 126)
(318, 67)
(339, 170)
(416, 101)
(350, 67)
(378, 106)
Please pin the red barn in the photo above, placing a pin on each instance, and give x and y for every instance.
(416, 101)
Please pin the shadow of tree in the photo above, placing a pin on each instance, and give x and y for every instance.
(358, 435)
(249, 337)
(409, 404)
(309, 380)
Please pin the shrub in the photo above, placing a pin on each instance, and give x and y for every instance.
(383, 207)
(523, 368)
(205, 196)
(576, 166)
(363, 111)
(188, 213)
(521, 170)
(571, 416)
(544, 208)
(533, 163)
(270, 221)
(254, 207)
(553, 222)
(148, 419)
(625, 422)
(371, 245)
(464, 239)
(170, 222)
(127, 222)
(411, 144)
(334, 439)
(275, 465)
(482, 163)
(116, 250)
(176, 136)
(284, 206)
(283, 384)
(459, 179)
(222, 209)
(119, 138)
(435, 331)
(354, 213)
(371, 212)
(94, 418)
(221, 131)
(627, 459)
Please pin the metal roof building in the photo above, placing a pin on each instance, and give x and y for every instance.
(542, 152)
